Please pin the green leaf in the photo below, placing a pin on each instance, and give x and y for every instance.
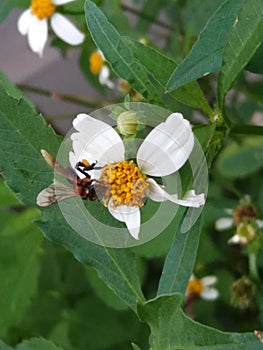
(116, 267)
(20, 247)
(37, 344)
(12, 90)
(20, 158)
(243, 41)
(3, 346)
(172, 329)
(202, 12)
(33, 344)
(5, 8)
(161, 67)
(241, 159)
(95, 326)
(206, 55)
(148, 14)
(180, 261)
(103, 292)
(118, 54)
(7, 196)
(27, 173)
(255, 65)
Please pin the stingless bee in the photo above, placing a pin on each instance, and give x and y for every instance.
(57, 191)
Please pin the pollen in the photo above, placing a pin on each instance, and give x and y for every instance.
(42, 8)
(195, 286)
(124, 184)
(96, 62)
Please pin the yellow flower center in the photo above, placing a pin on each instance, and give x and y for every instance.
(195, 286)
(124, 184)
(96, 62)
(42, 8)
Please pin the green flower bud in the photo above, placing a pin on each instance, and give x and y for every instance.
(127, 123)
(246, 231)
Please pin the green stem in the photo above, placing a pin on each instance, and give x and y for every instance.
(83, 101)
(147, 17)
(253, 270)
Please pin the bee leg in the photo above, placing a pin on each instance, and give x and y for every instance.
(84, 169)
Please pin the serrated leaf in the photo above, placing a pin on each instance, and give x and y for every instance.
(27, 173)
(206, 55)
(161, 68)
(243, 41)
(117, 53)
(20, 159)
(12, 90)
(180, 261)
(172, 329)
(20, 247)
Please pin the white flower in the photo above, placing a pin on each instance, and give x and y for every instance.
(203, 287)
(163, 152)
(34, 23)
(98, 66)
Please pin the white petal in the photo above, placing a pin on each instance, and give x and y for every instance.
(65, 30)
(61, 2)
(229, 211)
(236, 239)
(223, 224)
(95, 141)
(104, 77)
(37, 35)
(260, 224)
(167, 147)
(130, 215)
(209, 294)
(158, 194)
(25, 21)
(191, 199)
(208, 280)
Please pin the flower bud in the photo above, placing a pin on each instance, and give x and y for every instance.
(247, 231)
(127, 123)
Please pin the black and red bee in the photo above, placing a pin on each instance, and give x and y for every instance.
(57, 191)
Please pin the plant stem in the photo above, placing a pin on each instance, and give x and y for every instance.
(150, 18)
(83, 101)
(253, 270)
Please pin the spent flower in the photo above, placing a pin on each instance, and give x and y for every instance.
(244, 219)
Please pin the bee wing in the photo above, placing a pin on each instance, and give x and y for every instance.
(54, 193)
